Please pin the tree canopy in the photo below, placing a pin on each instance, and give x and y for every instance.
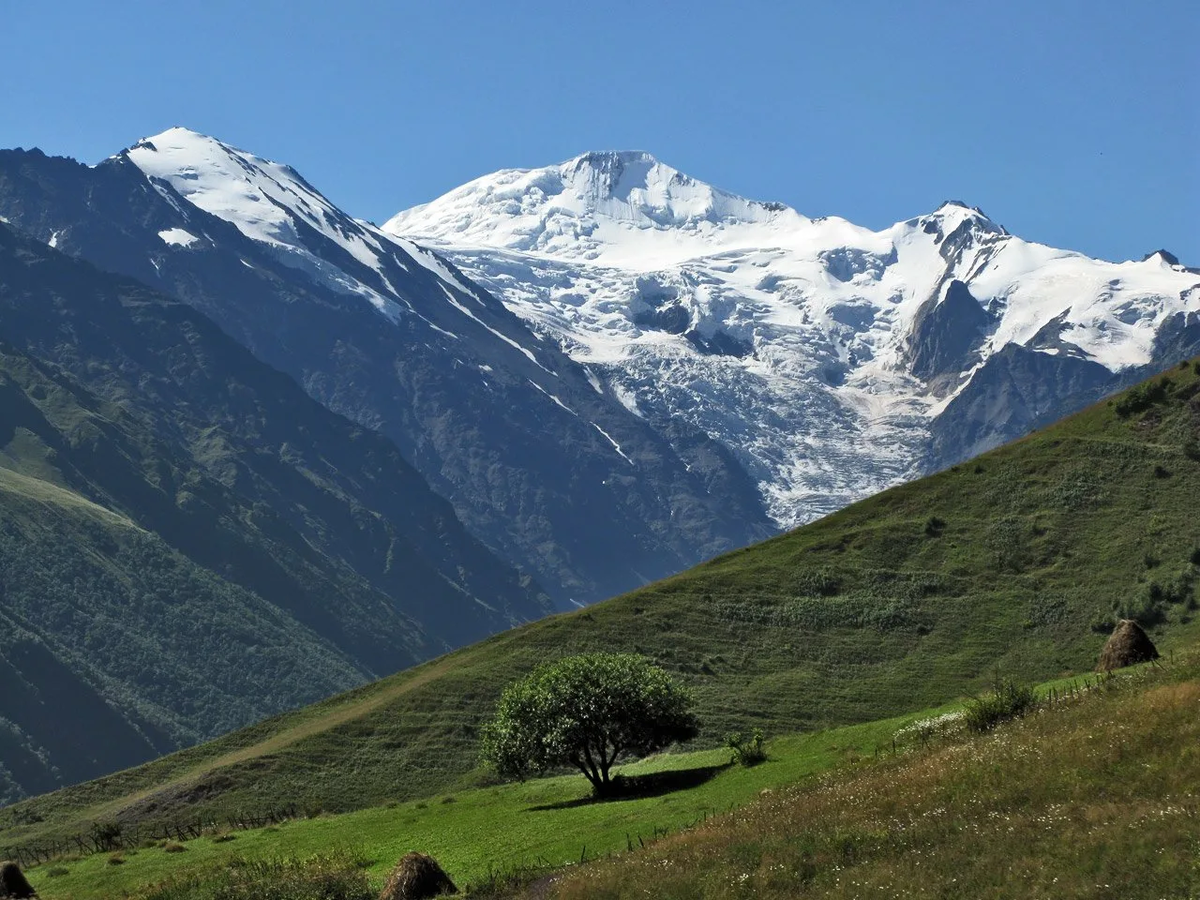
(587, 711)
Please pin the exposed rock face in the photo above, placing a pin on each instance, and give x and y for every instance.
(947, 333)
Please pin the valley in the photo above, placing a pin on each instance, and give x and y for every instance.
(913, 598)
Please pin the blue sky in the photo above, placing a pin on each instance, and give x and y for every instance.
(1071, 123)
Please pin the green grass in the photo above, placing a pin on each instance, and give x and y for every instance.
(1095, 797)
(498, 827)
(855, 618)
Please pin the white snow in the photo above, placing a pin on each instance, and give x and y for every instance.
(268, 202)
(177, 237)
(616, 446)
(553, 397)
(822, 408)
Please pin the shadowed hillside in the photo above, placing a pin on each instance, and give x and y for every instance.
(188, 542)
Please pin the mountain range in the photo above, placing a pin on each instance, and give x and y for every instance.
(232, 411)
(831, 360)
(561, 480)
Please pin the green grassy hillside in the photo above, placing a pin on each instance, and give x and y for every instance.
(94, 608)
(1095, 798)
(1018, 561)
(830, 811)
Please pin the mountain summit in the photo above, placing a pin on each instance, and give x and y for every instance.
(587, 206)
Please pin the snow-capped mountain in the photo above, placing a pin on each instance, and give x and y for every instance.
(830, 359)
(556, 476)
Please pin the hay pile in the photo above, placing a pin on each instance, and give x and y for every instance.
(1128, 646)
(417, 877)
(13, 883)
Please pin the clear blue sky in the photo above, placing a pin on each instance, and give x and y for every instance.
(1071, 123)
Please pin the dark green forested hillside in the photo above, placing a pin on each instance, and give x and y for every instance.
(187, 541)
(1020, 561)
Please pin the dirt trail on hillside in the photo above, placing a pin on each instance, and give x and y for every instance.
(282, 739)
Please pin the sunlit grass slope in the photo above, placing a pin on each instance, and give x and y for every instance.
(1099, 798)
(499, 827)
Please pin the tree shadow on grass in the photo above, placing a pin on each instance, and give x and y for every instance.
(638, 787)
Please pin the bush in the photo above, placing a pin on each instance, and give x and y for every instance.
(934, 526)
(174, 848)
(747, 751)
(1009, 699)
(1142, 398)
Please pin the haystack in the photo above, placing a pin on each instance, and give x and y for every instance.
(417, 877)
(1127, 646)
(13, 883)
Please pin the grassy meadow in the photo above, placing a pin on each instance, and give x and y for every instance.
(503, 827)
(1097, 798)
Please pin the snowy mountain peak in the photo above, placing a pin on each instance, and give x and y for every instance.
(954, 214)
(597, 203)
(257, 195)
(273, 204)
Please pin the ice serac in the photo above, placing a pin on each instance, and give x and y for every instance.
(829, 359)
(564, 480)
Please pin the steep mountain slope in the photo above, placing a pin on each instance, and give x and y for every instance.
(831, 360)
(538, 460)
(189, 542)
(1018, 561)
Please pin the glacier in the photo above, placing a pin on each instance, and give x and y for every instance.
(821, 353)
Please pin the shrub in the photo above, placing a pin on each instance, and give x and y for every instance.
(1009, 699)
(747, 751)
(1142, 398)
(174, 848)
(934, 526)
(1147, 608)
(1161, 472)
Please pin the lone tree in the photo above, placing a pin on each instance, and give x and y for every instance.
(586, 711)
